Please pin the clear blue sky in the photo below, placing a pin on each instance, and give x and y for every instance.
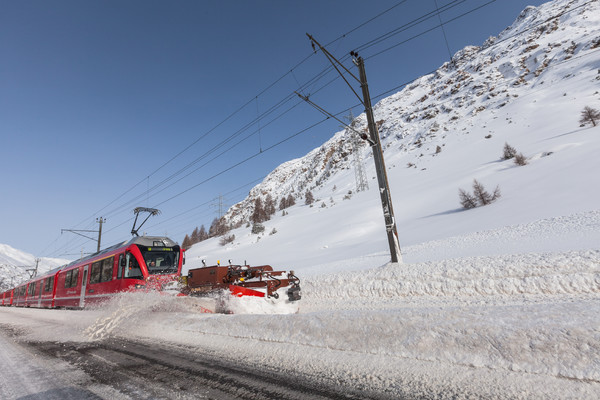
(96, 96)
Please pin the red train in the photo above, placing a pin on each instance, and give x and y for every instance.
(143, 263)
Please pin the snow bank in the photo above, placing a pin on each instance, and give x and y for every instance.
(476, 279)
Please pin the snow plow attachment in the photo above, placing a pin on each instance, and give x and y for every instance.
(242, 280)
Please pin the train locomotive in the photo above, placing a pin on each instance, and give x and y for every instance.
(143, 264)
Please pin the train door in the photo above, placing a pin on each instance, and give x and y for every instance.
(120, 270)
(41, 288)
(83, 286)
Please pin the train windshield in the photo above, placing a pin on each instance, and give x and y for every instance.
(161, 260)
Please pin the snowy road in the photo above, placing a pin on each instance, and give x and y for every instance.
(25, 375)
(135, 369)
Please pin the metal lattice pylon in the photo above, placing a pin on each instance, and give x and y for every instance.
(359, 169)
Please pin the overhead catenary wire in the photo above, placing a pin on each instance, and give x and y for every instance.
(408, 25)
(311, 81)
(347, 109)
(237, 189)
(439, 14)
(240, 108)
(323, 73)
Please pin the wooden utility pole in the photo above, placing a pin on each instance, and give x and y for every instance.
(77, 232)
(33, 271)
(372, 138)
(384, 187)
(100, 221)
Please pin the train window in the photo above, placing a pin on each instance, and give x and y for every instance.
(74, 277)
(71, 278)
(163, 260)
(132, 269)
(107, 269)
(31, 289)
(95, 272)
(49, 284)
(102, 271)
(121, 266)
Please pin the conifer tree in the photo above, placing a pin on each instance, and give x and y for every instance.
(483, 197)
(258, 215)
(467, 200)
(212, 231)
(589, 114)
(187, 243)
(283, 204)
(508, 152)
(195, 238)
(202, 235)
(218, 227)
(309, 198)
(480, 196)
(290, 201)
(269, 206)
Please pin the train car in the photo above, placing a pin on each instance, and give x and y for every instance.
(19, 295)
(45, 290)
(144, 263)
(31, 295)
(7, 298)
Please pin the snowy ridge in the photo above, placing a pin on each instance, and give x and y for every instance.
(13, 265)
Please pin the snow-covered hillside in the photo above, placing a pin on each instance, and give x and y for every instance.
(525, 87)
(503, 86)
(14, 263)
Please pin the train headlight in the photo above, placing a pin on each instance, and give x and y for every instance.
(140, 286)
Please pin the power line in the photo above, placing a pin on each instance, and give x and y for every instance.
(439, 14)
(235, 112)
(231, 116)
(312, 81)
(430, 30)
(208, 202)
(410, 24)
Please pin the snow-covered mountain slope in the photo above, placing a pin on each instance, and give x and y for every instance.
(14, 263)
(547, 46)
(526, 87)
